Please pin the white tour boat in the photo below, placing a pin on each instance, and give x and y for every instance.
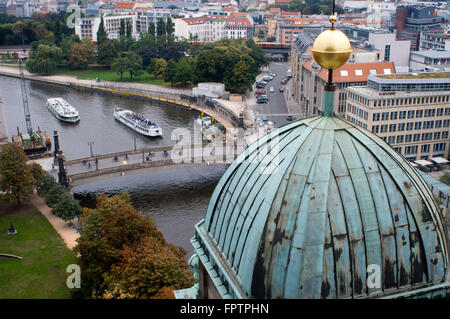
(137, 122)
(63, 110)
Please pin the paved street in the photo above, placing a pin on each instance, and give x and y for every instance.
(275, 109)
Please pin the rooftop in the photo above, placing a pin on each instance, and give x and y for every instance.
(408, 76)
(433, 54)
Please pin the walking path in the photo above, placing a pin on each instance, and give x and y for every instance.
(67, 233)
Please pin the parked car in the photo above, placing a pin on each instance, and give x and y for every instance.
(271, 89)
(260, 86)
(289, 118)
(263, 96)
(283, 81)
(281, 89)
(272, 75)
(259, 101)
(267, 78)
(260, 91)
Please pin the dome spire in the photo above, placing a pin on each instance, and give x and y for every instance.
(331, 50)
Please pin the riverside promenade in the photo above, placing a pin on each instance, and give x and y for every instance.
(180, 97)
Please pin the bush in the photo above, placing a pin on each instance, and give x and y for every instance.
(54, 195)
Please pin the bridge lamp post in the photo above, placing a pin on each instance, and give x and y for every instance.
(134, 138)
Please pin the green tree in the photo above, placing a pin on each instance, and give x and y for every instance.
(161, 39)
(127, 62)
(115, 238)
(169, 31)
(134, 64)
(152, 31)
(150, 268)
(107, 51)
(101, 33)
(44, 59)
(129, 29)
(16, 179)
(241, 78)
(45, 183)
(37, 172)
(183, 71)
(54, 195)
(157, 67)
(57, 31)
(122, 32)
(81, 54)
(170, 72)
(67, 208)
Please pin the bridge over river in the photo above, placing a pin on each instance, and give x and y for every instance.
(98, 167)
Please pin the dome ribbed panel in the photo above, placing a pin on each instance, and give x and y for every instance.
(304, 211)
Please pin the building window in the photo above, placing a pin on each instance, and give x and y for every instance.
(393, 115)
(425, 148)
(419, 113)
(400, 139)
(387, 55)
(392, 127)
(385, 116)
(376, 117)
(401, 127)
(418, 125)
(402, 115)
(408, 138)
(384, 128)
(416, 137)
(391, 140)
(375, 129)
(437, 135)
(410, 114)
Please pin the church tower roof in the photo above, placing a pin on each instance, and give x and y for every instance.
(313, 209)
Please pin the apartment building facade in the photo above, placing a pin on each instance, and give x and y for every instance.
(409, 111)
(313, 79)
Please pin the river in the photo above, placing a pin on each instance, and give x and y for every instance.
(175, 198)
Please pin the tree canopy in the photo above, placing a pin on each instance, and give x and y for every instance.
(16, 176)
(43, 59)
(122, 253)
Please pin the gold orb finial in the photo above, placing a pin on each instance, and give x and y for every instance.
(331, 49)
(332, 18)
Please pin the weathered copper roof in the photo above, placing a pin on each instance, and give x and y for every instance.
(306, 209)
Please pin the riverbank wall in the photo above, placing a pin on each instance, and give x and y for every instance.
(161, 95)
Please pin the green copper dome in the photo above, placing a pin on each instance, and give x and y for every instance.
(309, 209)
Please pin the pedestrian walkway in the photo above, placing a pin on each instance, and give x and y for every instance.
(293, 105)
(67, 232)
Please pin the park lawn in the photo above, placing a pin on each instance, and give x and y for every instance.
(108, 75)
(42, 273)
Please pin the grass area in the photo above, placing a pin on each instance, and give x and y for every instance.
(42, 273)
(108, 75)
(426, 75)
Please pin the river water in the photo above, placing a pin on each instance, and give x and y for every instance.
(175, 198)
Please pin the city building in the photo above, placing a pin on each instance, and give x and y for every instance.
(205, 28)
(411, 20)
(430, 60)
(144, 17)
(239, 25)
(434, 41)
(313, 78)
(409, 111)
(392, 50)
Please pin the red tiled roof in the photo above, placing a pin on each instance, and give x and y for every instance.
(274, 10)
(351, 71)
(238, 22)
(124, 5)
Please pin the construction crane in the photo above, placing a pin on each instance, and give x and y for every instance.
(32, 142)
(26, 108)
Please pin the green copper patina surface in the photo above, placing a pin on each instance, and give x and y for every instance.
(307, 210)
